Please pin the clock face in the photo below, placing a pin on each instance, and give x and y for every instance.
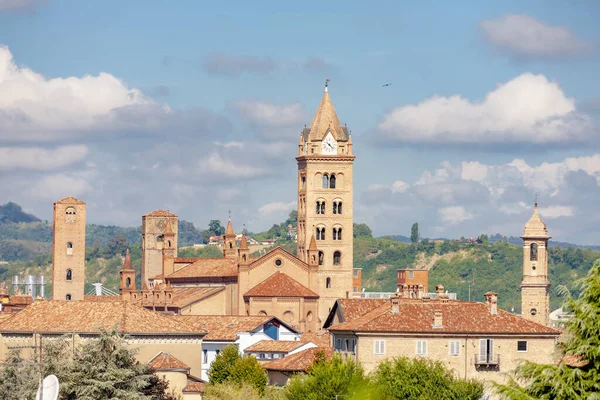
(329, 145)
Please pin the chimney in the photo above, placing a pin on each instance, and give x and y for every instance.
(425, 298)
(405, 292)
(421, 291)
(395, 300)
(491, 301)
(439, 289)
(437, 319)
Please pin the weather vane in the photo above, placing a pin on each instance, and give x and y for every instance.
(327, 80)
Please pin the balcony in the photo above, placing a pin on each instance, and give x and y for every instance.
(487, 361)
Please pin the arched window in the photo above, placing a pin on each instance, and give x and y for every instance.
(70, 215)
(127, 282)
(318, 207)
(68, 297)
(69, 248)
(322, 233)
(321, 257)
(169, 243)
(339, 234)
(533, 252)
(69, 274)
(230, 245)
(159, 238)
(325, 181)
(322, 207)
(328, 283)
(244, 258)
(332, 182)
(336, 258)
(337, 207)
(334, 233)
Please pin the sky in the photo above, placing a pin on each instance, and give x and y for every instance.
(197, 107)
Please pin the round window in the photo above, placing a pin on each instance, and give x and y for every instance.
(533, 311)
(278, 262)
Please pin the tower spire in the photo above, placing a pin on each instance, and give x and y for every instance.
(127, 261)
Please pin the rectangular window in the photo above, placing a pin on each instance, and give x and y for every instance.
(353, 345)
(338, 344)
(355, 289)
(486, 351)
(522, 345)
(356, 273)
(262, 356)
(347, 345)
(454, 348)
(421, 347)
(411, 274)
(204, 356)
(379, 347)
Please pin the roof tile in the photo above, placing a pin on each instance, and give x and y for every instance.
(280, 285)
(207, 267)
(298, 362)
(274, 346)
(222, 327)
(160, 213)
(163, 361)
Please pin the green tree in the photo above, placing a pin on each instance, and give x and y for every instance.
(362, 231)
(414, 233)
(215, 227)
(577, 376)
(421, 378)
(18, 378)
(221, 367)
(327, 379)
(247, 370)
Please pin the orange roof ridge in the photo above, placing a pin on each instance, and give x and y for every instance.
(70, 200)
(280, 285)
(164, 361)
(160, 213)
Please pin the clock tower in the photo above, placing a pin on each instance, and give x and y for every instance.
(325, 202)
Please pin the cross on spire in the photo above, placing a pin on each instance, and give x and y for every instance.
(229, 215)
(326, 83)
(536, 199)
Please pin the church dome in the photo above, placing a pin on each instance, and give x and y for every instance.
(535, 227)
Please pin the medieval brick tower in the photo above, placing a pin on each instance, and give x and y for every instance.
(535, 288)
(325, 209)
(68, 249)
(154, 225)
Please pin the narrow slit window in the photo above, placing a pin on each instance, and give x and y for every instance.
(332, 182)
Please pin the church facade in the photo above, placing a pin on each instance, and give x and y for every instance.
(299, 289)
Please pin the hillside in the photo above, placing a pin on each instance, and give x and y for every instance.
(463, 268)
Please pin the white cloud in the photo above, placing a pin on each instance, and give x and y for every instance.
(400, 187)
(56, 186)
(229, 145)
(556, 212)
(524, 36)
(275, 209)
(270, 115)
(37, 158)
(221, 167)
(529, 108)
(454, 214)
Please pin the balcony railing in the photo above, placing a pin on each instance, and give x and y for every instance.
(487, 359)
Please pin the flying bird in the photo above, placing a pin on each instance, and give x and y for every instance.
(386, 84)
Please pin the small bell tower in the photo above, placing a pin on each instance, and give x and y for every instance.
(535, 288)
(127, 278)
(229, 246)
(244, 251)
(168, 250)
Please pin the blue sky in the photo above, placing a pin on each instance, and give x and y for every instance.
(138, 105)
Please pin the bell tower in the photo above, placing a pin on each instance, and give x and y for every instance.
(535, 288)
(68, 249)
(325, 202)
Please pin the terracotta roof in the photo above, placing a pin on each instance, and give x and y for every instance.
(185, 260)
(163, 361)
(169, 229)
(20, 299)
(298, 362)
(280, 285)
(243, 242)
(313, 243)
(229, 230)
(195, 387)
(416, 316)
(102, 299)
(90, 316)
(5, 315)
(70, 200)
(127, 261)
(321, 338)
(354, 308)
(274, 346)
(222, 327)
(535, 227)
(185, 296)
(160, 213)
(326, 119)
(207, 267)
(573, 361)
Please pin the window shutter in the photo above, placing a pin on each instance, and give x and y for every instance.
(424, 346)
(491, 348)
(482, 349)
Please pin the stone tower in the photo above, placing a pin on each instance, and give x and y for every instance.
(325, 197)
(229, 245)
(154, 225)
(127, 278)
(535, 288)
(68, 249)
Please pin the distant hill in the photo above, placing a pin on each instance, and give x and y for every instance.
(13, 213)
(397, 238)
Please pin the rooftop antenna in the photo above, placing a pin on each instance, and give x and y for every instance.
(536, 199)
